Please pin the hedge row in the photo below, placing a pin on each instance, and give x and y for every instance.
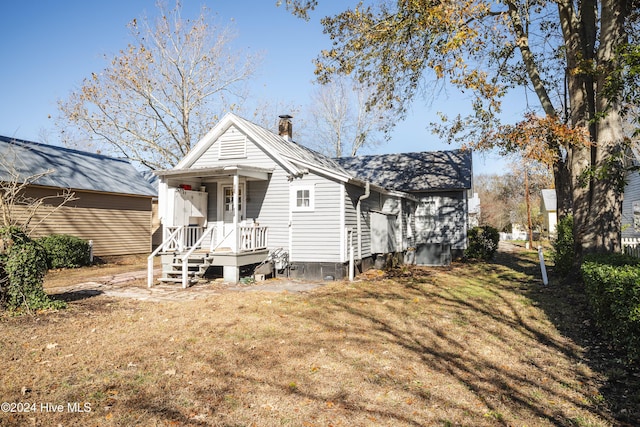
(612, 284)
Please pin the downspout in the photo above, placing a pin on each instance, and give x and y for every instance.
(366, 195)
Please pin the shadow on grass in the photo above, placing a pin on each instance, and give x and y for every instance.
(76, 295)
(565, 304)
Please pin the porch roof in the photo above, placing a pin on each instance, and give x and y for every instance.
(219, 171)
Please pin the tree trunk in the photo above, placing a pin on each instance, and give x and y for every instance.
(562, 181)
(609, 188)
(595, 172)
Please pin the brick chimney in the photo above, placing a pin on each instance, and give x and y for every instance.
(285, 129)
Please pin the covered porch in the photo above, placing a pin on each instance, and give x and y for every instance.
(204, 220)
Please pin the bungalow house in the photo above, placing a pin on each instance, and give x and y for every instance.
(112, 205)
(244, 192)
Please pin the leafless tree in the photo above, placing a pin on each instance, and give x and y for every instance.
(342, 122)
(162, 93)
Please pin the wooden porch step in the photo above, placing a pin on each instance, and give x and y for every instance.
(190, 273)
(189, 265)
(174, 280)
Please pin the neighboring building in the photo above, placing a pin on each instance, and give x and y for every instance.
(631, 208)
(474, 211)
(244, 191)
(548, 210)
(113, 206)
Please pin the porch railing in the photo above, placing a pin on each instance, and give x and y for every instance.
(252, 238)
(170, 238)
(185, 258)
(184, 239)
(631, 246)
(190, 238)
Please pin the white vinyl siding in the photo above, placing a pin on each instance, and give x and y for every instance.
(631, 198)
(372, 203)
(316, 233)
(442, 218)
(253, 155)
(268, 204)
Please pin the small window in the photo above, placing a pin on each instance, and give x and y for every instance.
(302, 198)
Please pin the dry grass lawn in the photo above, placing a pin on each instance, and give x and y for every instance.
(474, 345)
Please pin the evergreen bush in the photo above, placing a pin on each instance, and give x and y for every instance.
(612, 285)
(483, 242)
(65, 251)
(563, 250)
(23, 264)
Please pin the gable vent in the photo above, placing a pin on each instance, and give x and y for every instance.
(233, 145)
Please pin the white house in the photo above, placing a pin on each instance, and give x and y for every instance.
(244, 192)
(548, 210)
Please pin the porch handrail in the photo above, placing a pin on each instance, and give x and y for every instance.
(156, 252)
(185, 258)
(253, 237)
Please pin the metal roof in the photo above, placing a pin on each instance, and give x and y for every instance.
(414, 172)
(408, 172)
(294, 158)
(74, 169)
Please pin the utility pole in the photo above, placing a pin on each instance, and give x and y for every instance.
(526, 195)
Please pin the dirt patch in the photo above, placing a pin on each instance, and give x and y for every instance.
(103, 267)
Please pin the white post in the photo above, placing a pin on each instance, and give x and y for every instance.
(543, 269)
(236, 209)
(351, 261)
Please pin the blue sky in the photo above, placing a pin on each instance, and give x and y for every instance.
(49, 46)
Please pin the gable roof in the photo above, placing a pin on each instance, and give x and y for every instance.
(414, 172)
(294, 158)
(74, 169)
(549, 202)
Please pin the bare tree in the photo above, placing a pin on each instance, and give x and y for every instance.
(162, 93)
(342, 121)
(17, 208)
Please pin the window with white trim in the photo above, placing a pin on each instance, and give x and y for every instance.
(302, 198)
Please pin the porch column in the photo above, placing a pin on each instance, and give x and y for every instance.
(236, 209)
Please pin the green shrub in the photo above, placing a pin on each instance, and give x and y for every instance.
(612, 285)
(65, 251)
(23, 264)
(483, 243)
(563, 250)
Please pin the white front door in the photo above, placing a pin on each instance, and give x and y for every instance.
(227, 203)
(226, 212)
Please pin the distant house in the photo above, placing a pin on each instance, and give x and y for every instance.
(113, 206)
(548, 210)
(244, 192)
(474, 211)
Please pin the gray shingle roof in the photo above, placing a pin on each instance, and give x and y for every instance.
(73, 169)
(414, 172)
